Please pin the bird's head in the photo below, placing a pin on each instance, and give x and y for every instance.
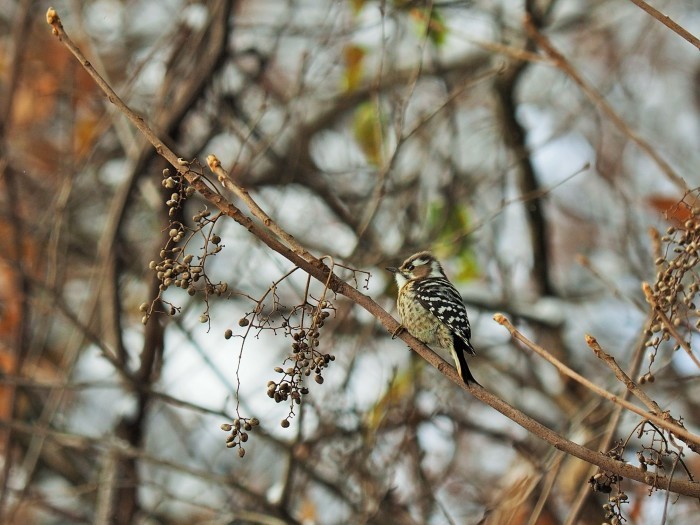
(421, 265)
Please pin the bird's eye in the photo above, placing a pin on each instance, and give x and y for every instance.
(410, 267)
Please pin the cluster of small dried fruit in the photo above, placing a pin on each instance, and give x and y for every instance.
(175, 267)
(676, 287)
(182, 274)
(306, 360)
(182, 271)
(654, 459)
(604, 481)
(239, 432)
(176, 182)
(612, 511)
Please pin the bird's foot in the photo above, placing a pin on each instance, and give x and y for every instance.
(398, 331)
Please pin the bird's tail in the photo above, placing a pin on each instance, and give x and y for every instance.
(459, 349)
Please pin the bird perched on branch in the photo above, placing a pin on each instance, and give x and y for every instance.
(432, 310)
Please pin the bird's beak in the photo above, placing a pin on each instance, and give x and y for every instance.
(392, 269)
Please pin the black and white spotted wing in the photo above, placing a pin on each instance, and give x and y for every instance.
(441, 298)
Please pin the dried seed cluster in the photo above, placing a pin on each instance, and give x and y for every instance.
(604, 481)
(305, 358)
(183, 190)
(675, 289)
(175, 267)
(612, 515)
(651, 458)
(239, 432)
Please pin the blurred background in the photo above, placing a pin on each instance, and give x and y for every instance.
(536, 164)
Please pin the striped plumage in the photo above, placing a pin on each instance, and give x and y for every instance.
(432, 310)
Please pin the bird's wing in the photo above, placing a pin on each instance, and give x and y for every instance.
(441, 298)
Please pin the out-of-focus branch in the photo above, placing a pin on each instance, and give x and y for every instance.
(598, 100)
(298, 164)
(116, 445)
(666, 20)
(318, 270)
(514, 136)
(17, 253)
(9, 187)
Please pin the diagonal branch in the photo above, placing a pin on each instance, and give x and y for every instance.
(609, 360)
(319, 271)
(240, 192)
(666, 20)
(662, 420)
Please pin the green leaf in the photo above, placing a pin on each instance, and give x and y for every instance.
(369, 132)
(353, 56)
(357, 5)
(431, 23)
(450, 224)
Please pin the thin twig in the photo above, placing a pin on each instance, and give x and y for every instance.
(512, 52)
(610, 283)
(550, 478)
(666, 20)
(222, 175)
(622, 376)
(104, 502)
(668, 494)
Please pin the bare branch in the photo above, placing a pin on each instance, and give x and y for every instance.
(226, 181)
(658, 420)
(620, 374)
(668, 22)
